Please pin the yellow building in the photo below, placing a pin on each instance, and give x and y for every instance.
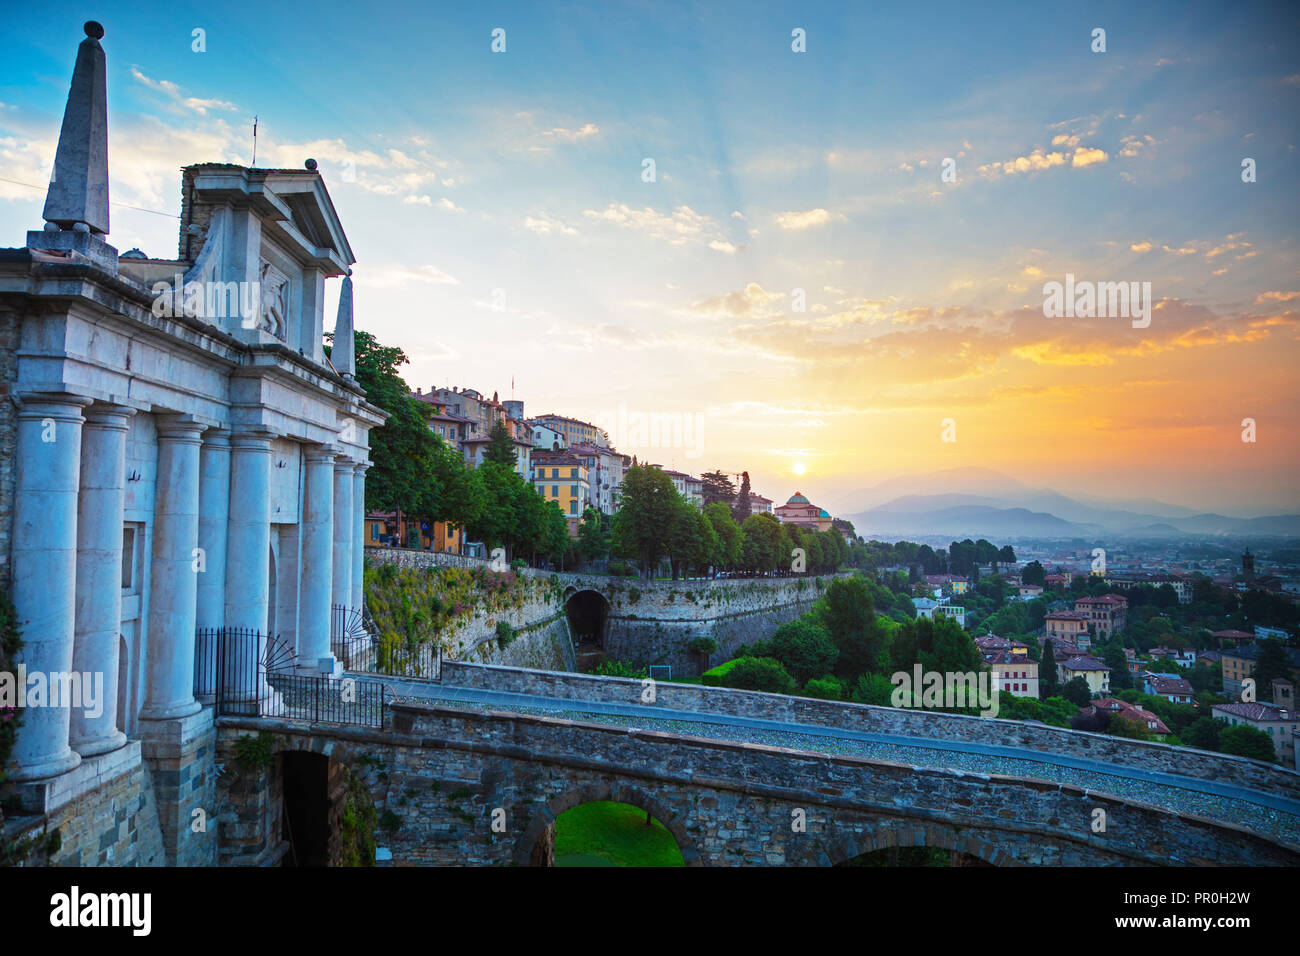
(565, 480)
(1094, 672)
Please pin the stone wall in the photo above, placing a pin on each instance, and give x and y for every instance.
(648, 622)
(644, 641)
(887, 720)
(110, 818)
(472, 788)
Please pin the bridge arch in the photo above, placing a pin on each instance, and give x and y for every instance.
(844, 849)
(536, 845)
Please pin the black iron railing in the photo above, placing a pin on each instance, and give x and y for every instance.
(246, 673)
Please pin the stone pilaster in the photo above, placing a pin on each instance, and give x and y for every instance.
(99, 576)
(343, 528)
(317, 562)
(173, 580)
(214, 519)
(359, 535)
(45, 568)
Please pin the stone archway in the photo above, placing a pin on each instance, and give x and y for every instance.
(587, 612)
(844, 850)
(536, 847)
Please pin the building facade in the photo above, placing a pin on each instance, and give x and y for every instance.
(187, 457)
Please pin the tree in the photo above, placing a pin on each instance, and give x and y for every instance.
(403, 448)
(1034, 573)
(1272, 665)
(1047, 677)
(1007, 555)
(501, 447)
(497, 521)
(1076, 691)
(761, 544)
(593, 536)
(805, 648)
(1203, 733)
(645, 517)
(742, 509)
(1245, 741)
(727, 553)
(849, 614)
(1117, 661)
(716, 487)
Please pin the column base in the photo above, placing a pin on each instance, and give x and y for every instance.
(328, 666)
(50, 767)
(170, 711)
(95, 746)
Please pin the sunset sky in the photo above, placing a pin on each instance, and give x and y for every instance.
(457, 171)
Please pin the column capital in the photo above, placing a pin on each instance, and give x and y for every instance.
(248, 439)
(60, 406)
(361, 467)
(343, 464)
(320, 454)
(217, 437)
(179, 427)
(108, 415)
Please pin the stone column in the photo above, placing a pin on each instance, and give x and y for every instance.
(317, 562)
(45, 568)
(95, 650)
(343, 527)
(359, 536)
(248, 564)
(173, 580)
(214, 518)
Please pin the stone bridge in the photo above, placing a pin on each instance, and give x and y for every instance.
(453, 786)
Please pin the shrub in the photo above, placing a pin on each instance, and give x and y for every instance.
(760, 673)
(874, 689)
(714, 676)
(824, 688)
(614, 668)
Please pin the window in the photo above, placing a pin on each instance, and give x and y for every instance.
(555, 491)
(573, 472)
(573, 507)
(128, 558)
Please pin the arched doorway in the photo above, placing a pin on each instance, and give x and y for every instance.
(913, 856)
(587, 612)
(306, 819)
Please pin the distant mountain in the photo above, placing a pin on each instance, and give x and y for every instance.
(979, 521)
(1047, 514)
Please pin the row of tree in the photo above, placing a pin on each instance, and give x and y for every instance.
(655, 523)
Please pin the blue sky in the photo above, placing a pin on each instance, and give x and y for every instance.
(457, 172)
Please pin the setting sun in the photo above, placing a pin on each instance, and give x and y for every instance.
(799, 468)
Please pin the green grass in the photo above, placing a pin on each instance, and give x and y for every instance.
(612, 834)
